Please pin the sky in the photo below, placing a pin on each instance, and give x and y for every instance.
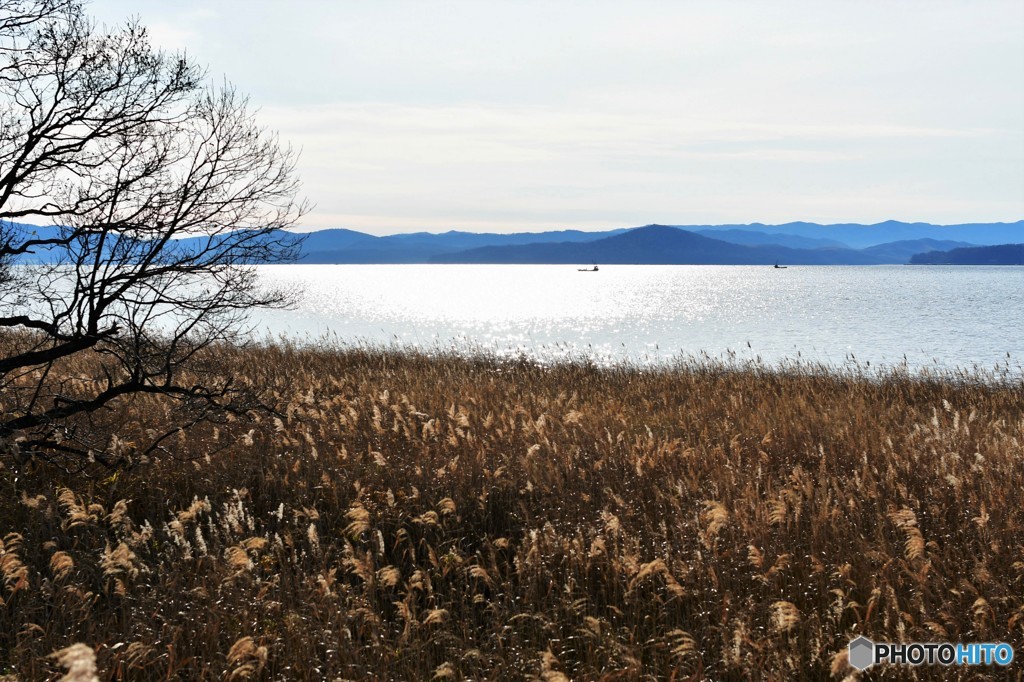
(527, 116)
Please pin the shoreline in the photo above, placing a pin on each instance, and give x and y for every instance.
(1000, 375)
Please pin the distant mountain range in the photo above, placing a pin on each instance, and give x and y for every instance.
(1003, 254)
(791, 243)
(661, 244)
(861, 236)
(755, 244)
(755, 238)
(348, 246)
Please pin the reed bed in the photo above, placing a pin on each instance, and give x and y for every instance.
(407, 517)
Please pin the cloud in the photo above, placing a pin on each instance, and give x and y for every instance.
(172, 37)
(389, 167)
(529, 115)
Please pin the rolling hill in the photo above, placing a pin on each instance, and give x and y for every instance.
(347, 246)
(863, 236)
(654, 245)
(755, 238)
(1002, 254)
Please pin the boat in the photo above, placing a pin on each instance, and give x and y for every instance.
(780, 267)
(591, 269)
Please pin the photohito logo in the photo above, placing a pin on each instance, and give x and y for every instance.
(863, 653)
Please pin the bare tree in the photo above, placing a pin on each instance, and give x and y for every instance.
(159, 191)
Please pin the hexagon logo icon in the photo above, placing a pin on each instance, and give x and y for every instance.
(861, 653)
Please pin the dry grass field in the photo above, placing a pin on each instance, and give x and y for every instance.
(410, 517)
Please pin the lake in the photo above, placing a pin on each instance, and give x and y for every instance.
(951, 317)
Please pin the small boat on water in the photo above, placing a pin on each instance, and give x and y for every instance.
(780, 267)
(590, 269)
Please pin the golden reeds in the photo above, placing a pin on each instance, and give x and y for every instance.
(403, 516)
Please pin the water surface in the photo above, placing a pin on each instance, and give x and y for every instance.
(951, 316)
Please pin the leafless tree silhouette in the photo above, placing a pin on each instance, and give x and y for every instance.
(157, 191)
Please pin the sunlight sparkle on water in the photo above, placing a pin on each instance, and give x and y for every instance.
(932, 315)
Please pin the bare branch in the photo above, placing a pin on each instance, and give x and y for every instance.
(161, 193)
